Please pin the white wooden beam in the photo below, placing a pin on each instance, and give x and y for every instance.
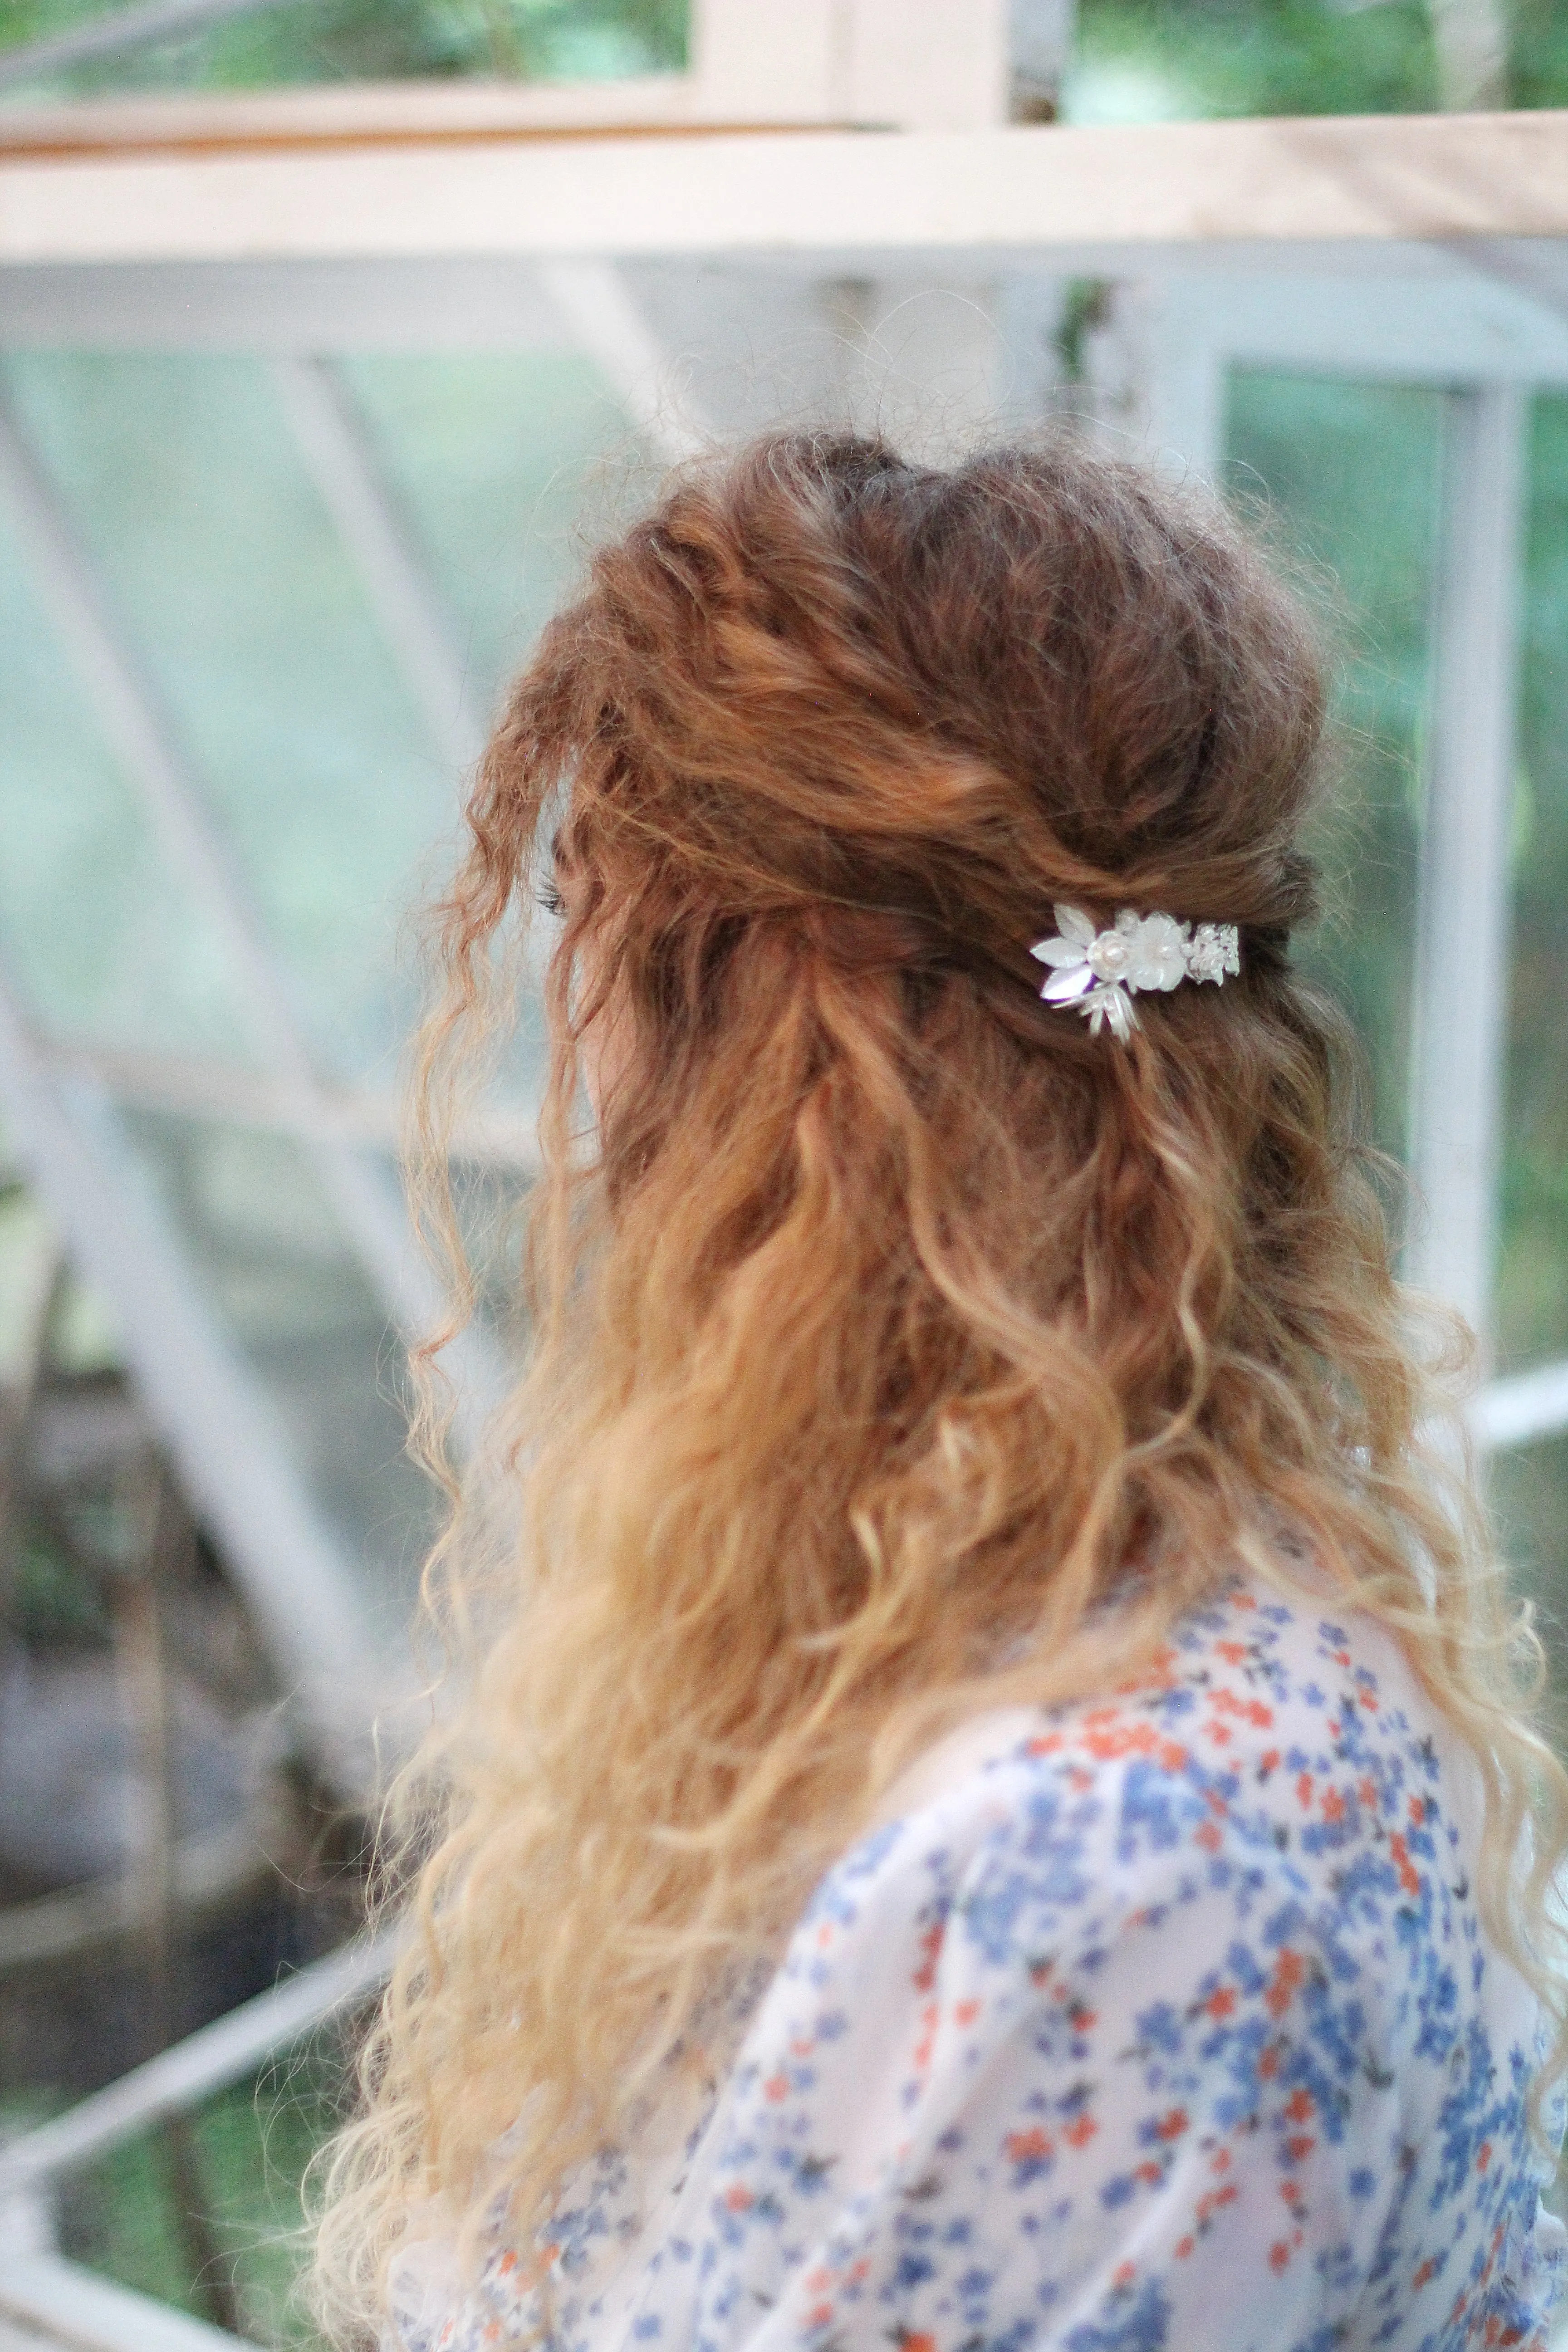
(1462, 953)
(358, 113)
(601, 319)
(1156, 377)
(1258, 184)
(1470, 326)
(331, 438)
(234, 1461)
(1403, 315)
(914, 65)
(768, 65)
(928, 65)
(49, 2304)
(204, 1086)
(1526, 1406)
(458, 303)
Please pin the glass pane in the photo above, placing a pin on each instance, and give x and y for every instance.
(241, 605)
(504, 464)
(370, 40)
(1161, 60)
(1350, 479)
(1533, 1270)
(291, 1294)
(103, 941)
(1528, 1494)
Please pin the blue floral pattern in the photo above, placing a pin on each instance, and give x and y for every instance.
(1167, 2021)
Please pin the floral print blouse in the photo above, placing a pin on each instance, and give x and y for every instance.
(1164, 2022)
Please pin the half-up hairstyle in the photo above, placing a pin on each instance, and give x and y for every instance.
(899, 1347)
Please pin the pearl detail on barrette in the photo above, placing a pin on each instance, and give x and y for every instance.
(1099, 973)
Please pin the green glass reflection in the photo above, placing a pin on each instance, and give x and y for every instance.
(505, 465)
(506, 468)
(1346, 479)
(1532, 1263)
(241, 605)
(102, 941)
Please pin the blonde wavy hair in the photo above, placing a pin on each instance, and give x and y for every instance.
(898, 1348)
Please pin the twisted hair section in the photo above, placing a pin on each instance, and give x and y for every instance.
(898, 1348)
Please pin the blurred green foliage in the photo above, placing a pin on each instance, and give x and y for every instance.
(1140, 60)
(1533, 1269)
(1344, 481)
(1537, 53)
(375, 40)
(1136, 60)
(53, 1603)
(1144, 61)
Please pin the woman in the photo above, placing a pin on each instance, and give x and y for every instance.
(990, 1810)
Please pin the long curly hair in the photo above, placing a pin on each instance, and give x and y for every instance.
(898, 1348)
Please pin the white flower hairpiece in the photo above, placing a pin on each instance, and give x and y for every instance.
(1100, 972)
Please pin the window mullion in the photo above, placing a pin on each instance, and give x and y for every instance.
(1463, 929)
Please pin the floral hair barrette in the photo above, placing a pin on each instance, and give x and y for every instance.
(1100, 972)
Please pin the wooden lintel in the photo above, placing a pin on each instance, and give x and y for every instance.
(1019, 192)
(360, 114)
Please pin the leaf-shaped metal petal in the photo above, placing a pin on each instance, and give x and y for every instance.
(1058, 952)
(1110, 1004)
(1063, 986)
(1074, 924)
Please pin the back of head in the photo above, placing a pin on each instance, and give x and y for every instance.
(905, 1279)
(901, 1343)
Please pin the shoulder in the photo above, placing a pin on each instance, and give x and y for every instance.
(1172, 2003)
(1272, 1756)
(1240, 1889)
